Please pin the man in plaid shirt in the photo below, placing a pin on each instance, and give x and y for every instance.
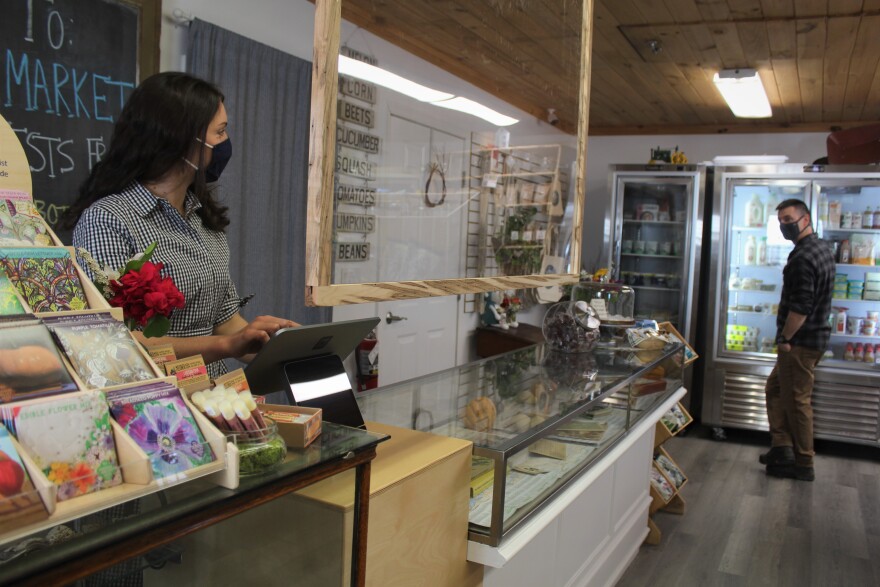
(802, 333)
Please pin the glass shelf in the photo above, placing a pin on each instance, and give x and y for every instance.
(861, 230)
(860, 265)
(863, 337)
(749, 228)
(650, 256)
(757, 291)
(653, 288)
(666, 222)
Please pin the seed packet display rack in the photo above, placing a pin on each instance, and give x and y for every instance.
(137, 475)
(671, 502)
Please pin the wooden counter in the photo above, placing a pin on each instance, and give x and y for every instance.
(492, 341)
(418, 521)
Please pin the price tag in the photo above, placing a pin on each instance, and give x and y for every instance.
(527, 235)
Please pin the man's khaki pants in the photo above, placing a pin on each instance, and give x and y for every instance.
(789, 389)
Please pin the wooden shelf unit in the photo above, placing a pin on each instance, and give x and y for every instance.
(675, 503)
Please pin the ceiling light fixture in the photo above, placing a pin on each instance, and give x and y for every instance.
(744, 93)
(392, 81)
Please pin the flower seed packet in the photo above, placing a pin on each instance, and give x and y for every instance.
(101, 349)
(20, 504)
(45, 277)
(20, 223)
(70, 439)
(10, 303)
(30, 363)
(157, 419)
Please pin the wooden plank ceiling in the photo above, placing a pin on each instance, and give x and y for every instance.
(652, 60)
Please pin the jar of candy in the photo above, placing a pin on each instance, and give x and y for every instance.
(571, 327)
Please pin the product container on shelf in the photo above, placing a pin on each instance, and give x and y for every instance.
(538, 418)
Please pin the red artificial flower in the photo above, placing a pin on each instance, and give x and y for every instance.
(144, 294)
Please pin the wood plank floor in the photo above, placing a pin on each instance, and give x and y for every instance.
(742, 528)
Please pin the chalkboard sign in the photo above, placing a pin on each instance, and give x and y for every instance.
(68, 67)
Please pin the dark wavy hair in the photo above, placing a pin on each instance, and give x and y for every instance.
(155, 131)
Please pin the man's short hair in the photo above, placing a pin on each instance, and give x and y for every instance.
(796, 204)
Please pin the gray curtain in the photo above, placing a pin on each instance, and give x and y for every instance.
(267, 99)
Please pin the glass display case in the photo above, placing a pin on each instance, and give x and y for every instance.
(537, 418)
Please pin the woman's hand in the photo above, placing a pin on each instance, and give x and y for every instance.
(243, 338)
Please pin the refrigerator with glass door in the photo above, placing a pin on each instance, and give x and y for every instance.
(748, 254)
(656, 233)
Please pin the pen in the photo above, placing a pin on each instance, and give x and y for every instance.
(242, 302)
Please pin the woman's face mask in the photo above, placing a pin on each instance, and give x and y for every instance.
(222, 153)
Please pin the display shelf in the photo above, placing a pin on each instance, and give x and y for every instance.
(658, 222)
(847, 300)
(651, 256)
(654, 288)
(851, 336)
(758, 291)
(669, 425)
(748, 228)
(734, 311)
(756, 266)
(842, 364)
(137, 478)
(857, 265)
(859, 230)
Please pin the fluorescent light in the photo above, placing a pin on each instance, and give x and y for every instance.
(477, 109)
(386, 79)
(392, 81)
(743, 92)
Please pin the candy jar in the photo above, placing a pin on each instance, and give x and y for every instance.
(571, 326)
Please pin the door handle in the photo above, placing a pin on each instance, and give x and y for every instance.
(389, 318)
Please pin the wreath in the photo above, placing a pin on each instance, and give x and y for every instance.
(437, 168)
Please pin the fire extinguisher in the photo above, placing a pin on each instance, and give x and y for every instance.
(368, 362)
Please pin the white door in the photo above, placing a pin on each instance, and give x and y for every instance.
(422, 341)
(419, 241)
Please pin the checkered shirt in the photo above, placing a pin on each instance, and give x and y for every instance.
(118, 226)
(807, 287)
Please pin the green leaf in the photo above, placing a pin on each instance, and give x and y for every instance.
(157, 326)
(136, 264)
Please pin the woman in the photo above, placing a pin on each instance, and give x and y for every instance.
(151, 186)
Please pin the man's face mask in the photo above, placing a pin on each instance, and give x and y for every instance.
(790, 230)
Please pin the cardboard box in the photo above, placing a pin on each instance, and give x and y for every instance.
(297, 434)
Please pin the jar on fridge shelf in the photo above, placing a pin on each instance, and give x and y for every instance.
(868, 218)
(846, 220)
(859, 353)
(762, 251)
(876, 218)
(840, 321)
(845, 252)
(834, 212)
(849, 354)
(857, 219)
(869, 353)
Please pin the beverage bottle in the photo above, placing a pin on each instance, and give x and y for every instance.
(755, 212)
(869, 353)
(770, 209)
(857, 220)
(762, 251)
(859, 354)
(750, 252)
(868, 218)
(845, 252)
(849, 355)
(877, 354)
(876, 218)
